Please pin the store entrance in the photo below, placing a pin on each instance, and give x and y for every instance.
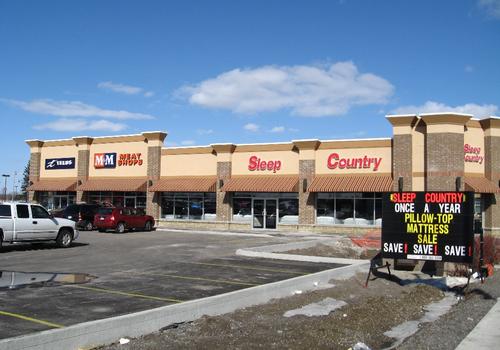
(264, 213)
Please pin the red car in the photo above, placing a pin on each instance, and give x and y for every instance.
(122, 219)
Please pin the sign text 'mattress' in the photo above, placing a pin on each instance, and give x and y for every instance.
(428, 226)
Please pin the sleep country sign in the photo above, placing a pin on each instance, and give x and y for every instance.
(434, 226)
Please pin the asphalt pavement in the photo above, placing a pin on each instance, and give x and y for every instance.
(106, 274)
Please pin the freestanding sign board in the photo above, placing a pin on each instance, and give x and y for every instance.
(434, 226)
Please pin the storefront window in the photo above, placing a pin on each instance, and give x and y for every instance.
(349, 208)
(192, 206)
(242, 209)
(210, 206)
(118, 199)
(56, 200)
(289, 211)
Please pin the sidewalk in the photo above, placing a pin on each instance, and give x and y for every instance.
(486, 334)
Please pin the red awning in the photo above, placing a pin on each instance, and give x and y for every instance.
(278, 183)
(115, 184)
(185, 184)
(351, 183)
(53, 185)
(480, 185)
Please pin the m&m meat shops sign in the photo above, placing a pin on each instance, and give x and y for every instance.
(434, 226)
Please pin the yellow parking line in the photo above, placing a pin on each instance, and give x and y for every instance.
(252, 268)
(199, 279)
(31, 319)
(118, 292)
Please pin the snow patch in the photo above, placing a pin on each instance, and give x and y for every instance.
(432, 312)
(321, 308)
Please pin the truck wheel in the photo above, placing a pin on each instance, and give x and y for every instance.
(120, 228)
(89, 226)
(148, 226)
(1, 242)
(64, 238)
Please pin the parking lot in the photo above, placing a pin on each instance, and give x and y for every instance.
(125, 273)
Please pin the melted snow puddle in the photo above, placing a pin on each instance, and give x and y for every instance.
(432, 312)
(321, 308)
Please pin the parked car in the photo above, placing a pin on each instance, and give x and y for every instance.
(82, 213)
(122, 219)
(23, 222)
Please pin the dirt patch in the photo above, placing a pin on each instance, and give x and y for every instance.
(368, 313)
(343, 248)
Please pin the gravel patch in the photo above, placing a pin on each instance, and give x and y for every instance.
(368, 313)
(450, 329)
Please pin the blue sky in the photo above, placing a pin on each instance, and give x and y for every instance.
(239, 71)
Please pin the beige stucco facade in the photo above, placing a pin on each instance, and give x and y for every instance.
(427, 152)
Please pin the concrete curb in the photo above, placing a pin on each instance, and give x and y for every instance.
(485, 335)
(218, 233)
(272, 252)
(293, 257)
(283, 247)
(106, 331)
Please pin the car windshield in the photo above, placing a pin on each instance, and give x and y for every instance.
(105, 211)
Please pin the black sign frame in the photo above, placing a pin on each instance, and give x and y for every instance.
(60, 163)
(441, 231)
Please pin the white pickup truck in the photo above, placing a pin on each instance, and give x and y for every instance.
(25, 222)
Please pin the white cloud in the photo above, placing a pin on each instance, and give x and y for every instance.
(478, 111)
(124, 89)
(73, 109)
(492, 7)
(310, 91)
(251, 127)
(65, 124)
(204, 131)
(277, 129)
(120, 88)
(188, 142)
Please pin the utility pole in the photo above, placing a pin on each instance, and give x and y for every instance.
(5, 186)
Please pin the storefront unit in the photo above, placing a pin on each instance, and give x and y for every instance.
(113, 170)
(304, 185)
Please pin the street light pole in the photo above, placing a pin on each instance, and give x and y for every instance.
(14, 186)
(5, 186)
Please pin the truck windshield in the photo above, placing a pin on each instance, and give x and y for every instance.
(5, 211)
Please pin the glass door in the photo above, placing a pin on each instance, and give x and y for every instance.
(264, 212)
(258, 213)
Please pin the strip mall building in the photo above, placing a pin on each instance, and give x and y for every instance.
(303, 185)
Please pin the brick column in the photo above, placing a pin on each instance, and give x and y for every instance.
(444, 159)
(491, 224)
(307, 170)
(35, 164)
(83, 163)
(444, 151)
(224, 200)
(402, 150)
(155, 144)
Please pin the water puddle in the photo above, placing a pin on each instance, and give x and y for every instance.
(10, 280)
